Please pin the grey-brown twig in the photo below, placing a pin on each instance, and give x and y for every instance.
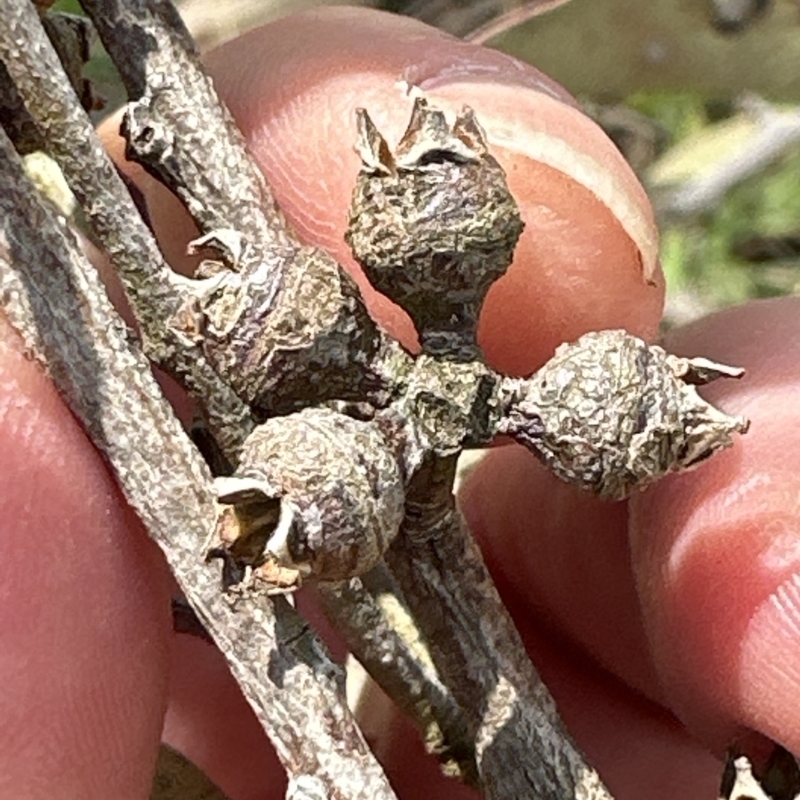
(176, 127)
(71, 37)
(154, 291)
(54, 299)
(507, 711)
(381, 632)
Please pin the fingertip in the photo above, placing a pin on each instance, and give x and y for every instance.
(716, 551)
(588, 257)
(575, 270)
(562, 555)
(590, 243)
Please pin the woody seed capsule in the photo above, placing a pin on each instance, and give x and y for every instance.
(611, 413)
(315, 492)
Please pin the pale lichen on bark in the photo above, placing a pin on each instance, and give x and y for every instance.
(339, 446)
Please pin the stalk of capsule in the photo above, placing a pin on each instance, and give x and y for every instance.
(612, 414)
(433, 225)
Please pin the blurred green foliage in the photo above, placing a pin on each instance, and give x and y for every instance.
(699, 254)
(678, 113)
(67, 6)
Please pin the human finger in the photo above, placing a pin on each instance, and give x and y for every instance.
(84, 617)
(699, 610)
(716, 552)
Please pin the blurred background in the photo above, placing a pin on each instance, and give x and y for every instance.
(701, 96)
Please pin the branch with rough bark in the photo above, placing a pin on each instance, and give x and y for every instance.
(54, 299)
(339, 447)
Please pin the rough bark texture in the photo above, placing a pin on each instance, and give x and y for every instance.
(54, 299)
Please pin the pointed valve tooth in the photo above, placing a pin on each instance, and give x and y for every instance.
(429, 133)
(374, 152)
(699, 371)
(469, 131)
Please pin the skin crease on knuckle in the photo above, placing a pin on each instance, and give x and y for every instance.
(716, 553)
(577, 270)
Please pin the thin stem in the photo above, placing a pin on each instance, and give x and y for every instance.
(71, 37)
(380, 632)
(776, 131)
(179, 130)
(508, 710)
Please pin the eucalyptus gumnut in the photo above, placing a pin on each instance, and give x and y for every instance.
(433, 223)
(611, 413)
(316, 492)
(311, 341)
